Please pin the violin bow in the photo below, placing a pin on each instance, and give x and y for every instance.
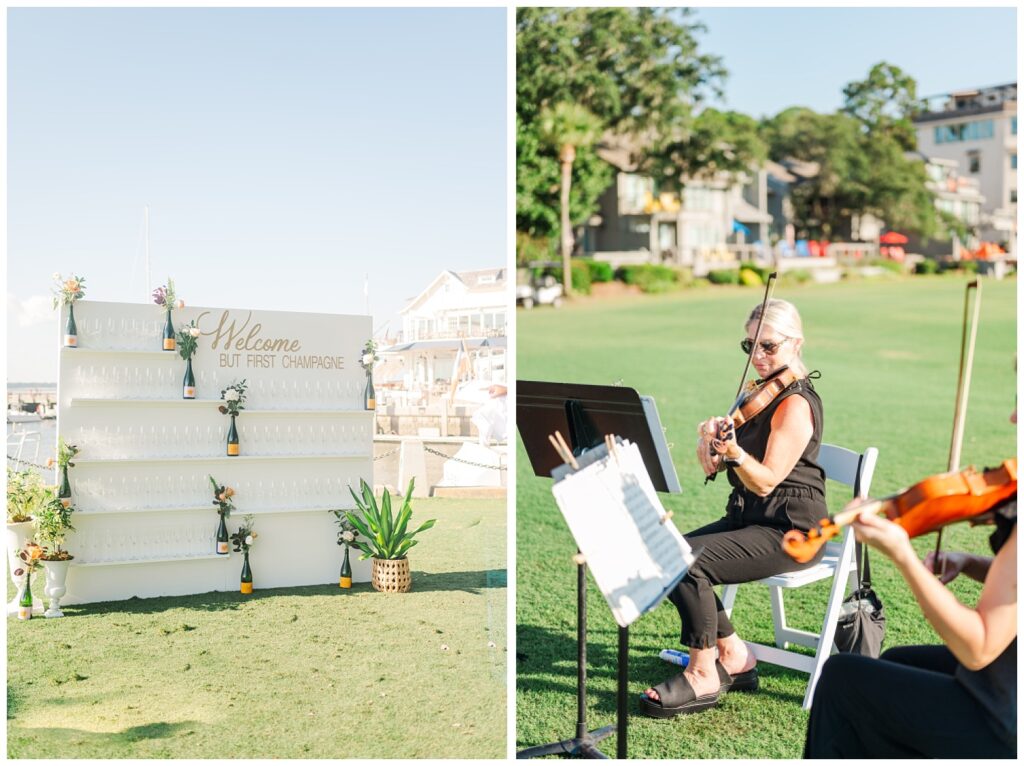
(768, 288)
(963, 387)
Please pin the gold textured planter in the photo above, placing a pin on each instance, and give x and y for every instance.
(391, 575)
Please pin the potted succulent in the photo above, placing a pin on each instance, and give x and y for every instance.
(386, 537)
(26, 493)
(52, 524)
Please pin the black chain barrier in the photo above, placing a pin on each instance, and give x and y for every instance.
(467, 462)
(16, 460)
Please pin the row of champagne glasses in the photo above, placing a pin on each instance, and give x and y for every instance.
(191, 441)
(122, 334)
(128, 381)
(184, 491)
(136, 542)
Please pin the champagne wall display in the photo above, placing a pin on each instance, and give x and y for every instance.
(145, 521)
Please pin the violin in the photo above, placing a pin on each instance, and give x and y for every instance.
(759, 395)
(925, 507)
(751, 399)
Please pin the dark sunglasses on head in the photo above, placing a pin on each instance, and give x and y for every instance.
(769, 348)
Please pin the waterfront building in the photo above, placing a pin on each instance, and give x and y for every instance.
(977, 129)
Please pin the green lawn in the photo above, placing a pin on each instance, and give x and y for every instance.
(312, 672)
(888, 351)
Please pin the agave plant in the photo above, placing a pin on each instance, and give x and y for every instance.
(384, 535)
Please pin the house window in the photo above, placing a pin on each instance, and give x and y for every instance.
(1013, 125)
(1013, 196)
(974, 162)
(964, 131)
(1013, 161)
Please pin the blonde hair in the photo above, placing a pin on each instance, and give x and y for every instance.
(785, 319)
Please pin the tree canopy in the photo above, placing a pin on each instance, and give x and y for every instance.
(639, 72)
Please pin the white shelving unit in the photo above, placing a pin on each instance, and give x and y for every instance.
(145, 520)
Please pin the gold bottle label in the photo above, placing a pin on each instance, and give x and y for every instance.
(190, 392)
(222, 547)
(66, 502)
(247, 587)
(24, 613)
(71, 341)
(371, 404)
(345, 582)
(168, 344)
(232, 449)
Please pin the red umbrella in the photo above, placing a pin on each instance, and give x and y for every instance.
(892, 238)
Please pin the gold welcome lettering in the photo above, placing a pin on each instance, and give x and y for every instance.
(232, 335)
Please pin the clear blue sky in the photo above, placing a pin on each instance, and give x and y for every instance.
(284, 154)
(781, 57)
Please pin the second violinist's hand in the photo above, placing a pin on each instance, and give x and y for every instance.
(882, 534)
(949, 566)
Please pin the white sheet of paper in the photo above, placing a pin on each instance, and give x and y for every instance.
(614, 515)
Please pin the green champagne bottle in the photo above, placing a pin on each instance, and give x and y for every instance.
(368, 395)
(222, 538)
(64, 493)
(233, 439)
(246, 575)
(170, 344)
(25, 603)
(345, 580)
(189, 384)
(71, 329)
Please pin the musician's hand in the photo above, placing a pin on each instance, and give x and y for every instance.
(710, 462)
(726, 445)
(883, 535)
(949, 564)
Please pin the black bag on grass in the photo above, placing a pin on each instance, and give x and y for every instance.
(861, 625)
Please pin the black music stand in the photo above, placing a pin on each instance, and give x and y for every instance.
(586, 413)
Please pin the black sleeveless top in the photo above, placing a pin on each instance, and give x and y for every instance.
(798, 502)
(995, 685)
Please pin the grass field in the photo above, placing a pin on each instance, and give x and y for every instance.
(311, 672)
(888, 352)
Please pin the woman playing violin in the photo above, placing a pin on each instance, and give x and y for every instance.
(958, 700)
(777, 485)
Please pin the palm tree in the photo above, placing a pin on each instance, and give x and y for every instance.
(568, 126)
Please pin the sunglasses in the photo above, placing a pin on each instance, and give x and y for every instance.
(767, 347)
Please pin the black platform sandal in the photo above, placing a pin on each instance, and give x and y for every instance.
(676, 698)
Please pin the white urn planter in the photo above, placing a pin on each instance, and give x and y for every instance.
(17, 534)
(56, 585)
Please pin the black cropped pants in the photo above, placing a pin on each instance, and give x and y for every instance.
(730, 554)
(906, 704)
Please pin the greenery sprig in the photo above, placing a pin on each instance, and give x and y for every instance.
(245, 536)
(370, 357)
(188, 340)
(234, 398)
(26, 494)
(65, 453)
(67, 291)
(166, 298)
(222, 495)
(347, 532)
(30, 556)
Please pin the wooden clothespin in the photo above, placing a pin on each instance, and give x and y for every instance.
(668, 515)
(566, 452)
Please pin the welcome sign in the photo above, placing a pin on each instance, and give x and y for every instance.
(145, 523)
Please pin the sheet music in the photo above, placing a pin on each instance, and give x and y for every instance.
(615, 515)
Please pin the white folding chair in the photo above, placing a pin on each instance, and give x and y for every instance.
(855, 470)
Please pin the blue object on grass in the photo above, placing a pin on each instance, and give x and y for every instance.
(675, 656)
